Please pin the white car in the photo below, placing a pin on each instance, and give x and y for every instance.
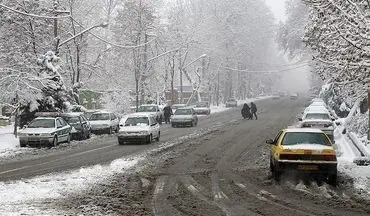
(185, 116)
(104, 121)
(140, 127)
(45, 130)
(202, 108)
(316, 109)
(152, 109)
(319, 119)
(176, 106)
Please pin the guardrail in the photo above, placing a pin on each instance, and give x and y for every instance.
(364, 160)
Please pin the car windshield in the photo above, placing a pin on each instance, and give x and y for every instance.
(294, 138)
(183, 112)
(147, 109)
(317, 116)
(204, 104)
(137, 121)
(176, 106)
(72, 120)
(42, 123)
(99, 116)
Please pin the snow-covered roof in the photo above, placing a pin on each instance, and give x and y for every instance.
(45, 117)
(139, 114)
(72, 114)
(303, 130)
(316, 111)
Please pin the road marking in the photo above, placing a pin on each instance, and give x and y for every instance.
(62, 159)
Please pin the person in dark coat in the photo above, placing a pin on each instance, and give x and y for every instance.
(167, 112)
(253, 110)
(246, 111)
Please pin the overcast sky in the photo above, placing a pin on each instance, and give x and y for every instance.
(278, 8)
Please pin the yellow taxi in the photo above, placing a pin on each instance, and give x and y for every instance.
(303, 150)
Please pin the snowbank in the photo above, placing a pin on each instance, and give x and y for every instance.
(31, 196)
(8, 142)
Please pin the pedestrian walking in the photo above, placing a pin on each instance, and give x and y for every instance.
(253, 110)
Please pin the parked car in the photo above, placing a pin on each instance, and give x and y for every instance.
(152, 109)
(104, 122)
(318, 119)
(81, 128)
(231, 103)
(275, 96)
(139, 127)
(202, 108)
(88, 113)
(185, 116)
(176, 106)
(303, 150)
(293, 96)
(45, 131)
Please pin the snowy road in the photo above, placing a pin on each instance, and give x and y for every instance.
(217, 168)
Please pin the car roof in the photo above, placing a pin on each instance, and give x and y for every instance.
(72, 114)
(317, 111)
(101, 111)
(303, 130)
(47, 117)
(139, 114)
(149, 105)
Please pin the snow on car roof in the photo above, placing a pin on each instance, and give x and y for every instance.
(303, 130)
(140, 114)
(72, 114)
(46, 117)
(317, 111)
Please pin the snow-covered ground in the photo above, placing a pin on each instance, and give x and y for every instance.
(347, 153)
(34, 196)
(8, 142)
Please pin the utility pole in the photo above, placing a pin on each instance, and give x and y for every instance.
(181, 65)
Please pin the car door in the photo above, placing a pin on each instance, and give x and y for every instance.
(195, 117)
(65, 129)
(59, 130)
(85, 124)
(154, 126)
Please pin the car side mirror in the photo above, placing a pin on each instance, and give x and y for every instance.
(300, 119)
(60, 126)
(270, 141)
(25, 126)
(333, 119)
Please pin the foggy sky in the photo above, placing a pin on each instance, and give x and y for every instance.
(278, 8)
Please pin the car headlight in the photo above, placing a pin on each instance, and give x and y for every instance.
(143, 132)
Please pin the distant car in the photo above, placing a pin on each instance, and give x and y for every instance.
(176, 106)
(139, 127)
(152, 109)
(231, 103)
(81, 128)
(303, 150)
(293, 96)
(88, 113)
(45, 131)
(184, 117)
(318, 119)
(104, 122)
(275, 96)
(202, 108)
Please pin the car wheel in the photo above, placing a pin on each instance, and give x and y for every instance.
(149, 139)
(121, 141)
(69, 138)
(276, 173)
(271, 166)
(55, 142)
(158, 137)
(22, 144)
(332, 179)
